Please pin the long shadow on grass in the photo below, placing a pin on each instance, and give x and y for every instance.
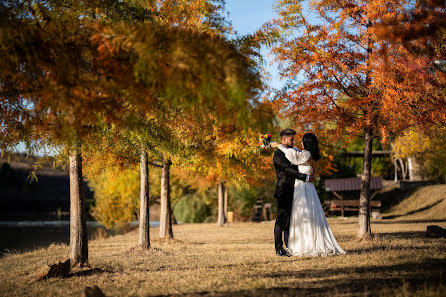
(429, 266)
(388, 220)
(405, 235)
(402, 235)
(385, 221)
(384, 247)
(88, 272)
(389, 236)
(350, 281)
(415, 211)
(224, 266)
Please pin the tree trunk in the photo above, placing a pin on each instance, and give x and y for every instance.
(364, 230)
(403, 169)
(414, 169)
(225, 203)
(171, 217)
(78, 225)
(394, 160)
(144, 230)
(221, 207)
(165, 216)
(395, 167)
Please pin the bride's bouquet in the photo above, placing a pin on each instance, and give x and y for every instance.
(265, 141)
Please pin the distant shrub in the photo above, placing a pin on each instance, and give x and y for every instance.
(192, 208)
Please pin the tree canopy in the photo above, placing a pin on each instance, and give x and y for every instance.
(345, 79)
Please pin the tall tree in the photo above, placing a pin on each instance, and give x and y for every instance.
(144, 218)
(225, 204)
(91, 63)
(424, 149)
(335, 64)
(228, 152)
(221, 216)
(50, 87)
(166, 207)
(78, 225)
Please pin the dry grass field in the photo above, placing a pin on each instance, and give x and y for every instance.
(239, 260)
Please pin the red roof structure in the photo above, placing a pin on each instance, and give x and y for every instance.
(351, 184)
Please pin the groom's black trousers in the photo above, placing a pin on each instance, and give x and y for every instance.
(282, 225)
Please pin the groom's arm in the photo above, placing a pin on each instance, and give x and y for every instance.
(282, 163)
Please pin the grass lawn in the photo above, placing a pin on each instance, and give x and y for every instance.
(239, 260)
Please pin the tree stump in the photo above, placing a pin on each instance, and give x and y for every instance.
(60, 269)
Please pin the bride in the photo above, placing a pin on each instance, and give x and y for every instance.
(309, 233)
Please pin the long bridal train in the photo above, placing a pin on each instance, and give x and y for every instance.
(309, 234)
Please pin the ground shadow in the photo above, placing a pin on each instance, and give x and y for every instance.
(230, 266)
(349, 281)
(401, 235)
(415, 211)
(389, 235)
(88, 272)
(409, 221)
(383, 247)
(391, 198)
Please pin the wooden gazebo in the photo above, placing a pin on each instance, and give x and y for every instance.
(340, 185)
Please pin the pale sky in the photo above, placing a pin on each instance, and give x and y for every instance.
(249, 15)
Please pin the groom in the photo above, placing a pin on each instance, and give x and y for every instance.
(286, 176)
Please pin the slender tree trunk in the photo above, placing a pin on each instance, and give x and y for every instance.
(414, 168)
(395, 167)
(394, 160)
(225, 203)
(221, 207)
(171, 217)
(364, 229)
(144, 230)
(78, 225)
(165, 216)
(403, 169)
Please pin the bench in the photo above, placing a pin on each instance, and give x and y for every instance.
(259, 211)
(339, 185)
(348, 205)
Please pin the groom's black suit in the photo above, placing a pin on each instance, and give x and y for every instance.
(287, 173)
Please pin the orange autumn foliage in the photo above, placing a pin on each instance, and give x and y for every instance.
(344, 75)
(345, 80)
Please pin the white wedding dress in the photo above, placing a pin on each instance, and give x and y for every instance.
(309, 234)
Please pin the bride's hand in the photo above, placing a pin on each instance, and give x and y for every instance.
(274, 144)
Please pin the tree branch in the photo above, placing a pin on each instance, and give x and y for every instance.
(155, 164)
(344, 88)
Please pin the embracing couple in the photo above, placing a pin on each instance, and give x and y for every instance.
(300, 218)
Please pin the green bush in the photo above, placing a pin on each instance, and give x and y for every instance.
(192, 208)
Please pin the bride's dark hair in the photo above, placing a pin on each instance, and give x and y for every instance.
(311, 144)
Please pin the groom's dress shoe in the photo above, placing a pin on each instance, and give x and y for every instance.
(283, 253)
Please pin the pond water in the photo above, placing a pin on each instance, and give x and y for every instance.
(28, 235)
